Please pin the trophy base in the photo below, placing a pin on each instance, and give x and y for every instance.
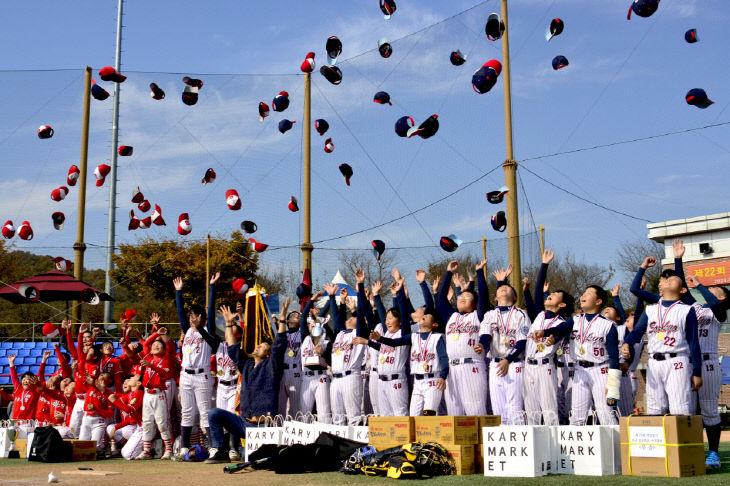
(13, 454)
(315, 361)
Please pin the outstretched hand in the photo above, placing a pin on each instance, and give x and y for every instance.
(678, 247)
(178, 283)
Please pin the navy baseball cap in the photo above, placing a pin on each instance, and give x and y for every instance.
(156, 92)
(190, 95)
(263, 111)
(691, 36)
(385, 48)
(499, 221)
(192, 82)
(382, 97)
(321, 126)
(280, 101)
(555, 28)
(559, 62)
(643, 8)
(403, 124)
(496, 197)
(334, 49)
(427, 129)
(484, 78)
(387, 7)
(697, 97)
(98, 92)
(285, 125)
(450, 243)
(331, 74)
(494, 27)
(58, 220)
(248, 226)
(457, 58)
(378, 248)
(346, 171)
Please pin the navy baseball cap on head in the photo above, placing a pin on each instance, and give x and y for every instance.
(280, 101)
(691, 36)
(559, 62)
(457, 58)
(156, 92)
(98, 92)
(331, 74)
(378, 248)
(388, 8)
(499, 221)
(248, 226)
(263, 111)
(494, 27)
(346, 171)
(496, 197)
(403, 124)
(321, 126)
(382, 97)
(285, 125)
(555, 28)
(385, 48)
(334, 49)
(450, 243)
(697, 97)
(643, 8)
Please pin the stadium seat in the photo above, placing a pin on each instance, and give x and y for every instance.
(22, 369)
(5, 380)
(6, 345)
(4, 362)
(37, 352)
(23, 352)
(3, 352)
(29, 345)
(52, 361)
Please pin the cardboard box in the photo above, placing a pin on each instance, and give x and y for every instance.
(82, 450)
(463, 456)
(478, 459)
(387, 432)
(449, 429)
(668, 446)
(488, 421)
(21, 445)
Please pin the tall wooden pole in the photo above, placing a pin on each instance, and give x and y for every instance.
(510, 168)
(484, 254)
(207, 270)
(80, 246)
(542, 239)
(307, 213)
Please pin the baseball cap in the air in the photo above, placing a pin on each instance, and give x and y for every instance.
(334, 49)
(496, 197)
(108, 73)
(697, 97)
(555, 28)
(450, 243)
(499, 221)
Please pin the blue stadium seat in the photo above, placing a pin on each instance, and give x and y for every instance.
(52, 361)
(5, 380)
(22, 369)
(50, 370)
(3, 352)
(36, 352)
(6, 345)
(19, 360)
(29, 345)
(23, 352)
(4, 362)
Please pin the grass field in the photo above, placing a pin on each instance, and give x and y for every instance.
(14, 472)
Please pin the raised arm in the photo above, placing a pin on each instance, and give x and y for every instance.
(184, 324)
(678, 248)
(442, 300)
(338, 320)
(483, 303)
(405, 315)
(612, 348)
(636, 284)
(62, 362)
(211, 303)
(690, 330)
(66, 324)
(547, 258)
(425, 290)
(361, 328)
(13, 372)
(303, 327)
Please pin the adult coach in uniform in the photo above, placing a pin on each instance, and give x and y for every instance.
(196, 383)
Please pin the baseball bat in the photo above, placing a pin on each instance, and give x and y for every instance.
(242, 465)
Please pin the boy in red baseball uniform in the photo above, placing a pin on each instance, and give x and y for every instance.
(130, 404)
(155, 369)
(25, 394)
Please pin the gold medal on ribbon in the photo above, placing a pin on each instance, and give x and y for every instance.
(425, 366)
(338, 352)
(188, 350)
(455, 337)
(559, 352)
(220, 372)
(291, 353)
(504, 341)
(660, 335)
(540, 348)
(582, 350)
(382, 360)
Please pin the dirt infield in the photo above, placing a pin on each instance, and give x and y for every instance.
(16, 472)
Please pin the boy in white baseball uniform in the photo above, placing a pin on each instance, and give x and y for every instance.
(315, 358)
(540, 383)
(504, 333)
(594, 348)
(291, 381)
(466, 385)
(196, 383)
(617, 314)
(347, 358)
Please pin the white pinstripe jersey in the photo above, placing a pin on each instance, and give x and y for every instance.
(195, 351)
(294, 341)
(506, 328)
(667, 336)
(539, 349)
(462, 334)
(391, 359)
(621, 331)
(424, 358)
(590, 336)
(347, 356)
(708, 329)
(306, 350)
(226, 367)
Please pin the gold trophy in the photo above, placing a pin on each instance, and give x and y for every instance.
(317, 333)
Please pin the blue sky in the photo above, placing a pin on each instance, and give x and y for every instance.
(626, 79)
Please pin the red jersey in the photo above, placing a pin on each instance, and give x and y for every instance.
(157, 373)
(24, 401)
(110, 364)
(131, 406)
(96, 404)
(70, 402)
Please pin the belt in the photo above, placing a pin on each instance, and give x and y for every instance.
(497, 360)
(562, 364)
(194, 372)
(422, 377)
(80, 396)
(152, 391)
(226, 383)
(462, 361)
(374, 370)
(538, 361)
(590, 364)
(291, 366)
(663, 356)
(314, 372)
(707, 357)
(388, 377)
(342, 375)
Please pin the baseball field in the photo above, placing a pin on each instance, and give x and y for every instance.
(161, 473)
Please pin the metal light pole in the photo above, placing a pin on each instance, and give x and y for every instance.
(307, 213)
(80, 246)
(510, 167)
(111, 225)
